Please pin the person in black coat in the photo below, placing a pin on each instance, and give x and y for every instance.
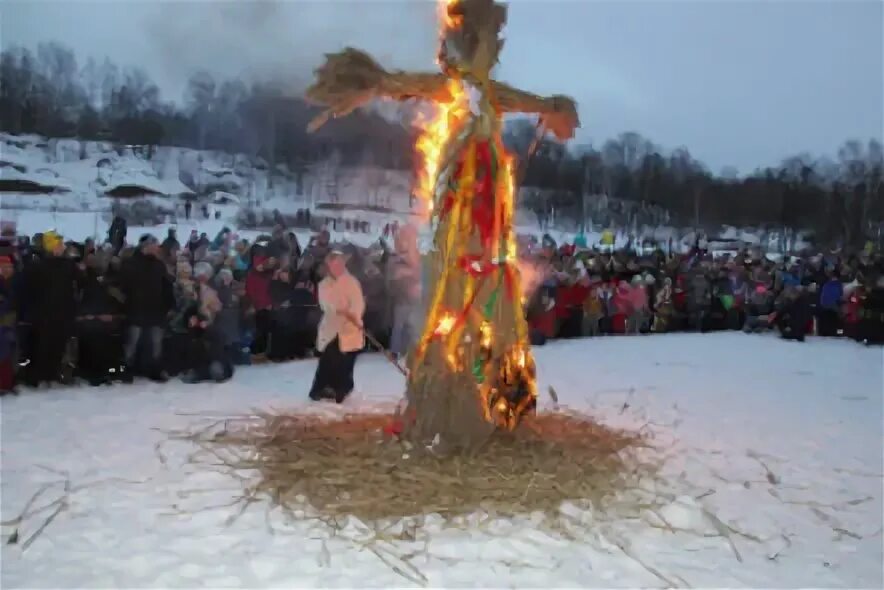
(871, 325)
(794, 314)
(147, 287)
(116, 235)
(51, 291)
(99, 327)
(170, 245)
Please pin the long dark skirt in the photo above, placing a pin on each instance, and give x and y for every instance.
(334, 373)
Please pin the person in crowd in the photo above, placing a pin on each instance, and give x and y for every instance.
(8, 325)
(282, 326)
(52, 292)
(208, 360)
(178, 341)
(241, 261)
(592, 309)
(854, 294)
(829, 307)
(149, 299)
(294, 246)
(340, 335)
(116, 235)
(542, 316)
(793, 313)
(279, 244)
(99, 325)
(621, 307)
(404, 277)
(663, 308)
(222, 239)
(193, 242)
(306, 315)
(639, 309)
(170, 245)
(188, 207)
(315, 255)
(699, 298)
(871, 327)
(228, 321)
(258, 292)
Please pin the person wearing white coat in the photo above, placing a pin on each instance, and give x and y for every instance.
(340, 335)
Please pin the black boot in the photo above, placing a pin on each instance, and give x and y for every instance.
(125, 374)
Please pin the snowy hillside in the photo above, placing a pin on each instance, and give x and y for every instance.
(40, 173)
(71, 185)
(777, 444)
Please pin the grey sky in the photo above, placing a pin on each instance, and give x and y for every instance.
(739, 82)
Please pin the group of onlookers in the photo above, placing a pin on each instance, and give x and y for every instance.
(198, 308)
(194, 308)
(584, 292)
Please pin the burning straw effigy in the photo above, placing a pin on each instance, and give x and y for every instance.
(472, 372)
(470, 439)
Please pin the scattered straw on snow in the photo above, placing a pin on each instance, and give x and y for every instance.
(346, 467)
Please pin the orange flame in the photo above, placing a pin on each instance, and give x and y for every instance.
(445, 325)
(438, 130)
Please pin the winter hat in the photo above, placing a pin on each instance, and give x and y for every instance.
(51, 241)
(225, 272)
(146, 240)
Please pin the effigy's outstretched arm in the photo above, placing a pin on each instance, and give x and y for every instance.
(352, 78)
(557, 113)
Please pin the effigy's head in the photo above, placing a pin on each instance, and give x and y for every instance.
(471, 41)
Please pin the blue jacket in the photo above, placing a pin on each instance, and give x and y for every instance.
(831, 294)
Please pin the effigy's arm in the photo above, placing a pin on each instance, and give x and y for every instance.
(557, 113)
(351, 78)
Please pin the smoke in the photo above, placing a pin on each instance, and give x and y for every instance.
(285, 41)
(531, 277)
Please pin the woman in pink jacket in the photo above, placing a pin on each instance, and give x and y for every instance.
(340, 336)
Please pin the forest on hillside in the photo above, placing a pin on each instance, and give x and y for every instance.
(51, 92)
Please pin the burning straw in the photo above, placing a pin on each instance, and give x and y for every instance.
(314, 466)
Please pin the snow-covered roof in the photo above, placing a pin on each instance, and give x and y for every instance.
(223, 197)
(147, 180)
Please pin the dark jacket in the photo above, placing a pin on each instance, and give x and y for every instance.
(99, 297)
(148, 290)
(7, 319)
(52, 291)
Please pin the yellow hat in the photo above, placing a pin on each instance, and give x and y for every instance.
(51, 241)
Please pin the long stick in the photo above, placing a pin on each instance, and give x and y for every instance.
(389, 355)
(374, 342)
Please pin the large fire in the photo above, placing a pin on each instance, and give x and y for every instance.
(438, 130)
(435, 136)
(505, 394)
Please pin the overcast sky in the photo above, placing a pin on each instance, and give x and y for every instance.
(739, 82)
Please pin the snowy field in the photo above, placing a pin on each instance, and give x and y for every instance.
(782, 441)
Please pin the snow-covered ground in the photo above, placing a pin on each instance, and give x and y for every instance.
(782, 441)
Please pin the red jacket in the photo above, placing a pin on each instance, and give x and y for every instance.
(258, 285)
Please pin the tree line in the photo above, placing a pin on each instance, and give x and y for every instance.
(49, 92)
